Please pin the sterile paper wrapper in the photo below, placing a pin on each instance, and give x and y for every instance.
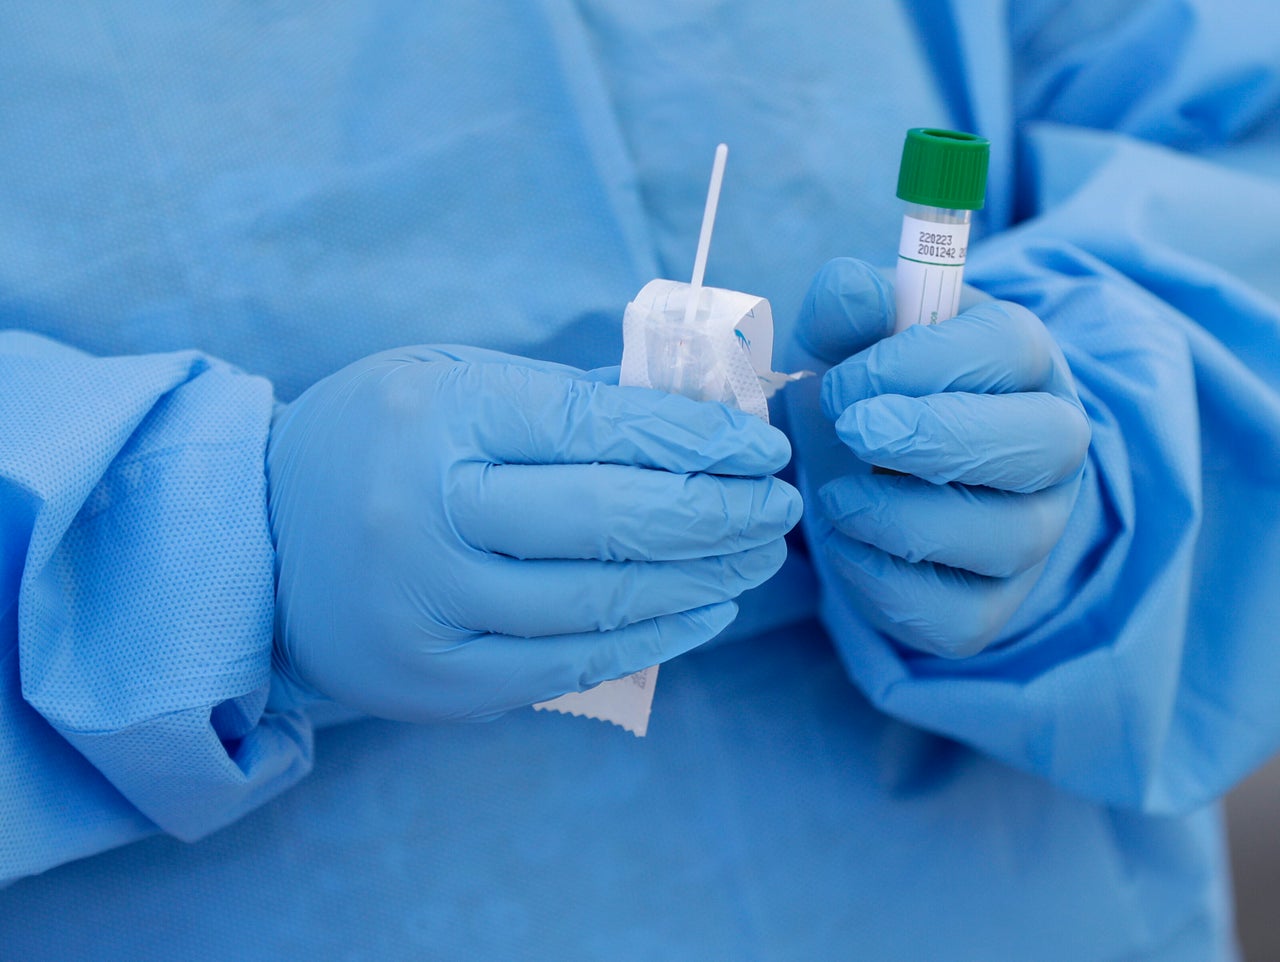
(729, 340)
(624, 701)
(734, 357)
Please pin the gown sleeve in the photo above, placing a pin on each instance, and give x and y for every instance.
(136, 602)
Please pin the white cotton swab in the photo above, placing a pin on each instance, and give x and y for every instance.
(704, 238)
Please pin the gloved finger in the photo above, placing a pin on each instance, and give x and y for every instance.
(1015, 442)
(479, 355)
(989, 532)
(524, 416)
(537, 669)
(996, 347)
(452, 353)
(554, 597)
(603, 375)
(848, 307)
(611, 512)
(929, 607)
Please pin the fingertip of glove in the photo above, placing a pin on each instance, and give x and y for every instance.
(778, 557)
(881, 425)
(754, 566)
(712, 620)
(1080, 437)
(848, 306)
(710, 436)
(831, 410)
(794, 502)
(769, 447)
(844, 385)
(834, 496)
(603, 375)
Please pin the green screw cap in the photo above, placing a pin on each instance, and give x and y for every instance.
(944, 168)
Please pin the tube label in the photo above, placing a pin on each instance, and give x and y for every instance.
(930, 271)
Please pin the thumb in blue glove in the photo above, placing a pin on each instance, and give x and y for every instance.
(461, 532)
(980, 416)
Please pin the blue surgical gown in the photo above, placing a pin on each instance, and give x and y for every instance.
(205, 208)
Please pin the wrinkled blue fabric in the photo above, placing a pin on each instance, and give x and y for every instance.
(223, 204)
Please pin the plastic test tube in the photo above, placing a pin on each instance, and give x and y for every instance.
(943, 179)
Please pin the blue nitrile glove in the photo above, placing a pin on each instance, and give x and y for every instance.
(461, 532)
(978, 412)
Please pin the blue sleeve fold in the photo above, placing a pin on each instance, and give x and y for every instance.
(136, 589)
(1190, 74)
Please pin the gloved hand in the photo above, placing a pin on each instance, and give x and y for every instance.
(461, 532)
(980, 414)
